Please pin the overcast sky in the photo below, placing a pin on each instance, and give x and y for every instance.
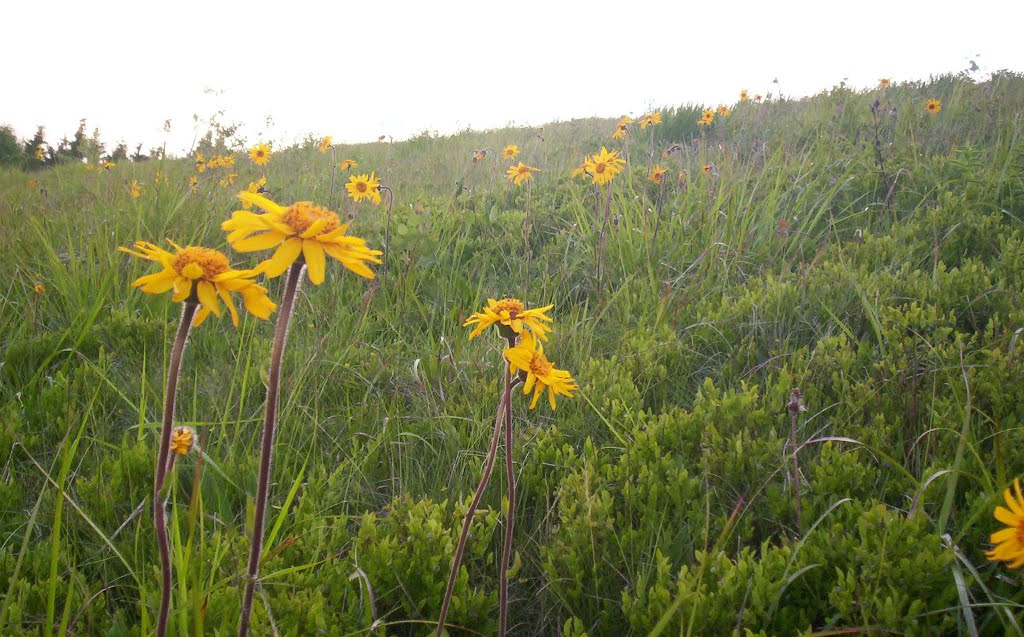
(359, 70)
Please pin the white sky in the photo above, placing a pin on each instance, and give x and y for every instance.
(359, 70)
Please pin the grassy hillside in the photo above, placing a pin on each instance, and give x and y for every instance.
(872, 259)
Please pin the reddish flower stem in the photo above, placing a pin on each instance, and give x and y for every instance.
(510, 517)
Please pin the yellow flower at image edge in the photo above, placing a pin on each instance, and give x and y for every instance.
(528, 356)
(364, 186)
(205, 272)
(518, 174)
(1009, 542)
(513, 314)
(301, 229)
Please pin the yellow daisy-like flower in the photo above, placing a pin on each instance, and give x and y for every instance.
(40, 153)
(205, 272)
(511, 313)
(229, 160)
(107, 165)
(260, 154)
(620, 132)
(528, 356)
(581, 170)
(364, 186)
(724, 111)
(743, 95)
(325, 144)
(183, 439)
(32, 183)
(347, 164)
(214, 162)
(135, 189)
(254, 187)
(708, 168)
(884, 82)
(933, 106)
(651, 119)
(626, 120)
(200, 162)
(40, 288)
(707, 116)
(479, 155)
(193, 183)
(604, 166)
(228, 179)
(657, 174)
(1009, 542)
(301, 230)
(510, 151)
(518, 174)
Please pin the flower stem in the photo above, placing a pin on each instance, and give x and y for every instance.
(188, 311)
(284, 316)
(334, 169)
(488, 466)
(387, 232)
(510, 518)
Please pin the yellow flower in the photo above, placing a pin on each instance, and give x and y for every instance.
(651, 119)
(933, 106)
(40, 153)
(682, 175)
(229, 160)
(193, 182)
(518, 174)
(205, 273)
(743, 95)
(724, 110)
(510, 151)
(710, 169)
(626, 120)
(200, 162)
(528, 356)
(301, 230)
(182, 440)
(39, 288)
(107, 165)
(348, 164)
(90, 167)
(228, 179)
(32, 183)
(214, 162)
(620, 132)
(254, 187)
(325, 144)
(604, 166)
(657, 174)
(581, 170)
(364, 187)
(511, 313)
(1009, 542)
(260, 154)
(707, 116)
(479, 155)
(884, 82)
(135, 189)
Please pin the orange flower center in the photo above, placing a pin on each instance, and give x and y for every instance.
(361, 186)
(512, 306)
(302, 214)
(540, 365)
(200, 263)
(523, 170)
(599, 167)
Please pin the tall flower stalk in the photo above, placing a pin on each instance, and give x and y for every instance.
(304, 234)
(200, 278)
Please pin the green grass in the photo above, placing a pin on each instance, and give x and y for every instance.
(894, 308)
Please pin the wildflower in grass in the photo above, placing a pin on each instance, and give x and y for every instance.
(743, 95)
(214, 162)
(707, 116)
(682, 175)
(183, 439)
(229, 160)
(757, 98)
(325, 144)
(521, 173)
(479, 155)
(581, 170)
(657, 174)
(200, 163)
(347, 164)
(510, 151)
(604, 166)
(620, 132)
(301, 231)
(528, 356)
(135, 189)
(254, 187)
(107, 165)
(723, 110)
(1009, 542)
(933, 106)
(884, 82)
(32, 183)
(40, 153)
(626, 120)
(651, 119)
(89, 168)
(40, 289)
(193, 183)
(260, 154)
(709, 168)
(364, 186)
(513, 315)
(202, 274)
(228, 179)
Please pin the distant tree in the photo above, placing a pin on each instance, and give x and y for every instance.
(37, 159)
(137, 155)
(120, 153)
(10, 149)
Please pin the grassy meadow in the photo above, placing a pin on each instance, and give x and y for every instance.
(872, 258)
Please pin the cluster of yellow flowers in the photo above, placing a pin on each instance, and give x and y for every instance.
(601, 167)
(527, 358)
